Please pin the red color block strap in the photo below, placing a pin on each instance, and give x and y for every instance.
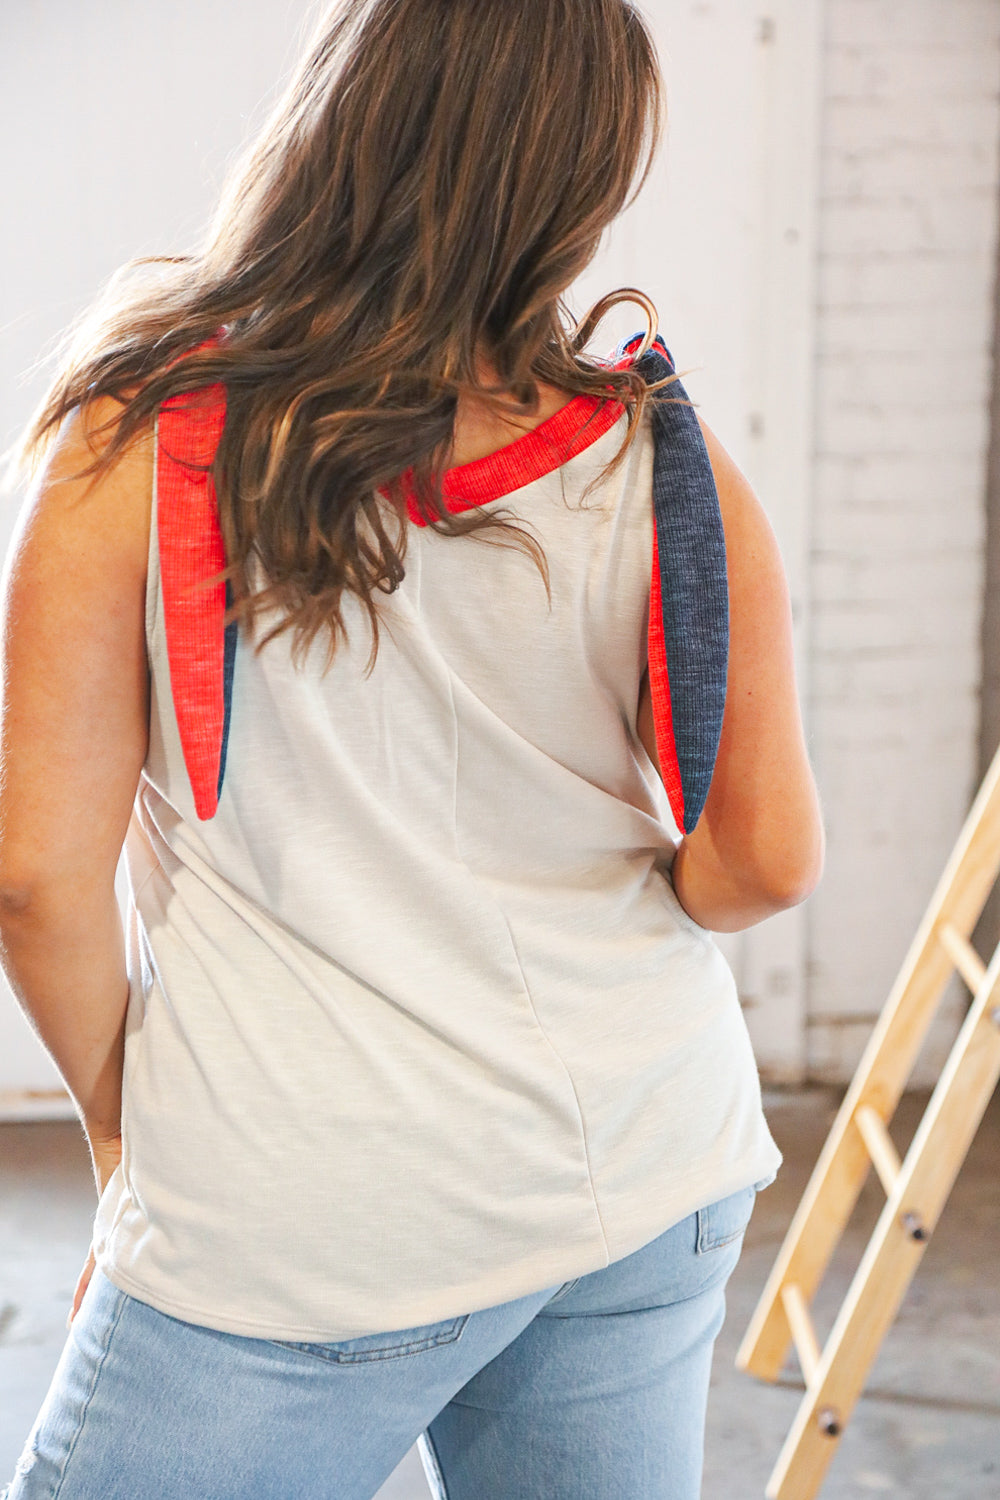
(659, 682)
(191, 551)
(552, 443)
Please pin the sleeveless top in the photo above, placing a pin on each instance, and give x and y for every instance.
(417, 1024)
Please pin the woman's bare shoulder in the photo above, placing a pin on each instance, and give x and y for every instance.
(111, 507)
(74, 691)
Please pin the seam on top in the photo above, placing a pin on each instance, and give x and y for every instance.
(524, 982)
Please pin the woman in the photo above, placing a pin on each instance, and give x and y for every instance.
(422, 1105)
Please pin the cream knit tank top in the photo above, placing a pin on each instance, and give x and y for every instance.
(417, 1024)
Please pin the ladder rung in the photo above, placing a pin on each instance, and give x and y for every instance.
(963, 955)
(885, 1157)
(802, 1330)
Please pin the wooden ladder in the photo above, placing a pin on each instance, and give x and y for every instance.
(916, 1188)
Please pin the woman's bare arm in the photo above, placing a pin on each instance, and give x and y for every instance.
(759, 844)
(73, 733)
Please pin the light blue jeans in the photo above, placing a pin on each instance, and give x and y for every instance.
(592, 1390)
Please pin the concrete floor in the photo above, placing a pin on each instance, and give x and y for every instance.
(927, 1428)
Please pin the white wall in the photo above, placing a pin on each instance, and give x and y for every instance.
(724, 238)
(116, 122)
(908, 231)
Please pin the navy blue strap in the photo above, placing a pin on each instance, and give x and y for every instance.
(691, 549)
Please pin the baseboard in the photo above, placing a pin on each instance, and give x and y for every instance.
(35, 1104)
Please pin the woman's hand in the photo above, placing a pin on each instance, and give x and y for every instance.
(105, 1153)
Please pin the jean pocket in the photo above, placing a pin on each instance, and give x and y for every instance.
(373, 1346)
(722, 1222)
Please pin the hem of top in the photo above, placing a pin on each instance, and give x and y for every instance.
(758, 1169)
(187, 1312)
(632, 1233)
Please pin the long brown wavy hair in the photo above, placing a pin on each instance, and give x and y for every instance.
(435, 176)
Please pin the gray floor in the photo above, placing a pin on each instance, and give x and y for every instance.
(927, 1426)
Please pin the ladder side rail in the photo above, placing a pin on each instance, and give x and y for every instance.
(911, 1213)
(844, 1163)
(882, 1073)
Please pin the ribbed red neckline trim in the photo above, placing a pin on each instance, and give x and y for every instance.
(568, 432)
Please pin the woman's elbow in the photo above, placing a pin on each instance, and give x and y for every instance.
(792, 891)
(792, 878)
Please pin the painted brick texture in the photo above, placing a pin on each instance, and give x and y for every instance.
(908, 237)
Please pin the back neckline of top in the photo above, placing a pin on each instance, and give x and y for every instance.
(562, 436)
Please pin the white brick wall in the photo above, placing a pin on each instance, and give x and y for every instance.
(908, 231)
